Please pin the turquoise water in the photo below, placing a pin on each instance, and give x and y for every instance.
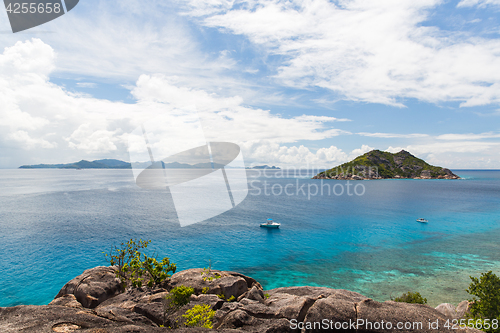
(55, 223)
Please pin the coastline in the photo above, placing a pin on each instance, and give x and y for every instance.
(96, 299)
(443, 280)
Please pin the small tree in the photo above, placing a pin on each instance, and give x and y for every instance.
(410, 297)
(122, 256)
(485, 306)
(134, 266)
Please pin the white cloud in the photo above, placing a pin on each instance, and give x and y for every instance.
(320, 118)
(86, 84)
(272, 153)
(393, 135)
(251, 71)
(447, 147)
(92, 139)
(360, 151)
(472, 156)
(119, 41)
(27, 142)
(39, 116)
(227, 119)
(33, 58)
(370, 51)
(456, 154)
(480, 3)
(207, 7)
(470, 136)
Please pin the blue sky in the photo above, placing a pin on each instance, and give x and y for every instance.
(307, 82)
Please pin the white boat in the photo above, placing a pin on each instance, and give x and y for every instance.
(421, 220)
(270, 224)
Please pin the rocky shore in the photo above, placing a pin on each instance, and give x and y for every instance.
(360, 173)
(95, 302)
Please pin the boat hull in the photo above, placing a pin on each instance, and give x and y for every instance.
(270, 226)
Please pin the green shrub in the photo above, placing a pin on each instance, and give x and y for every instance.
(485, 307)
(134, 266)
(176, 299)
(410, 297)
(122, 257)
(158, 270)
(199, 316)
(179, 296)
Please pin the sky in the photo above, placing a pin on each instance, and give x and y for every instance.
(293, 83)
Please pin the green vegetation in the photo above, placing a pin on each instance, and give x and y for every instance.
(485, 308)
(199, 316)
(179, 296)
(205, 290)
(411, 297)
(176, 299)
(214, 276)
(385, 165)
(223, 297)
(135, 267)
(267, 295)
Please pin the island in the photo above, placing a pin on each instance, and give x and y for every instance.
(83, 164)
(265, 167)
(117, 164)
(378, 164)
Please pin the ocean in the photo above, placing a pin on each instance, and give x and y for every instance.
(55, 223)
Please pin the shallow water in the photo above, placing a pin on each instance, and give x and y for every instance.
(55, 223)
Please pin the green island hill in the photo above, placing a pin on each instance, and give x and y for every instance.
(378, 164)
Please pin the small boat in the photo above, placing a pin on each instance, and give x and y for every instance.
(270, 224)
(421, 220)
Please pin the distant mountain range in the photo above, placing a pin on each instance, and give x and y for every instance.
(117, 164)
(83, 164)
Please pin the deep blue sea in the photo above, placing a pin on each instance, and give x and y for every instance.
(54, 224)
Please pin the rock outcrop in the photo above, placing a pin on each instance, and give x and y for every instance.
(93, 287)
(92, 303)
(454, 312)
(378, 164)
(229, 284)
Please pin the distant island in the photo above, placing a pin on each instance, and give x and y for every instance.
(378, 164)
(265, 167)
(117, 164)
(83, 164)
